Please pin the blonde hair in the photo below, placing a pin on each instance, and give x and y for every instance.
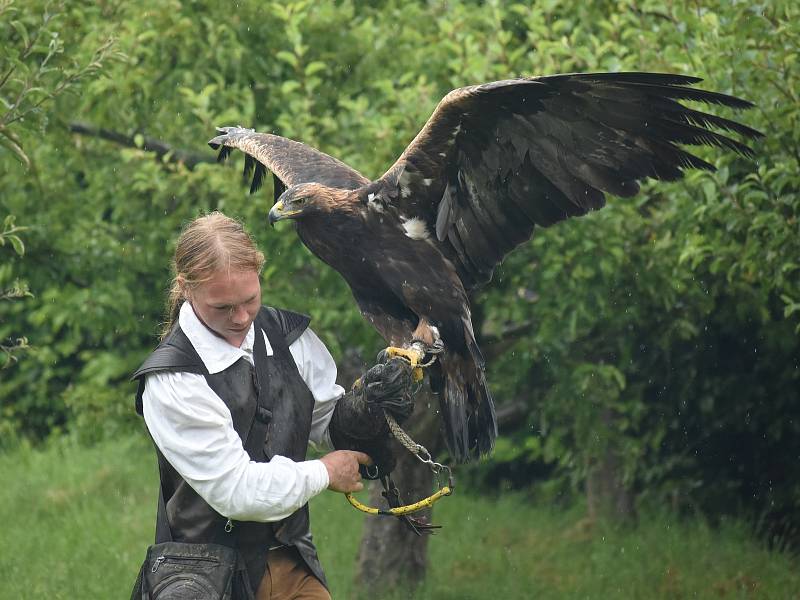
(207, 245)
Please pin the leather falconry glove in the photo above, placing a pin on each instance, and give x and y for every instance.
(358, 421)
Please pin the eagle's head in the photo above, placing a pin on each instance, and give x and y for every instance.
(297, 202)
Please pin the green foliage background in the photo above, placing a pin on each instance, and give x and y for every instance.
(678, 313)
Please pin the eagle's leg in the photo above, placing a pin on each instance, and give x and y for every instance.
(414, 354)
(428, 337)
(424, 340)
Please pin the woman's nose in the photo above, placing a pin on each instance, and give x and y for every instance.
(239, 314)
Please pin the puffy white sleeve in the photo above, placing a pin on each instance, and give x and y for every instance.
(193, 428)
(318, 370)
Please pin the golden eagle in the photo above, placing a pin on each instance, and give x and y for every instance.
(492, 162)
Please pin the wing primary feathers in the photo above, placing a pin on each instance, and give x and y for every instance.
(678, 112)
(278, 187)
(224, 153)
(249, 165)
(254, 167)
(293, 161)
(686, 133)
(628, 77)
(258, 177)
(687, 93)
(669, 161)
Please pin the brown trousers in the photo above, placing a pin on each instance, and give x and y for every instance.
(288, 578)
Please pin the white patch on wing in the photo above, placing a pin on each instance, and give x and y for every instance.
(415, 229)
(427, 182)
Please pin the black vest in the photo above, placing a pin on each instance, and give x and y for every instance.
(288, 423)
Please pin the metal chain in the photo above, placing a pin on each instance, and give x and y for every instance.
(418, 450)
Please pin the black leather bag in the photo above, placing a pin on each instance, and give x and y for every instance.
(183, 571)
(179, 571)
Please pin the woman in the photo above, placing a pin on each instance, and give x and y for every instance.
(232, 397)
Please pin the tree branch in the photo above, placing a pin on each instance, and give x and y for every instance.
(160, 148)
(493, 345)
(510, 416)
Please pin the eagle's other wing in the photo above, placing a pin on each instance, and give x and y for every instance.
(290, 162)
(496, 159)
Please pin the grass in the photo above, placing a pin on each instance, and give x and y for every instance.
(76, 522)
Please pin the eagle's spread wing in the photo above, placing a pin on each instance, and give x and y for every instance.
(290, 162)
(496, 159)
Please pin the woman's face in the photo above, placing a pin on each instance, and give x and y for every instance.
(228, 303)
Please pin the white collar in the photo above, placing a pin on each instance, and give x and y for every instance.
(216, 353)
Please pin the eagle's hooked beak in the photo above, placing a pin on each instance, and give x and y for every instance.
(274, 213)
(279, 212)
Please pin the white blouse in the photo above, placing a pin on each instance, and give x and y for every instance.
(193, 428)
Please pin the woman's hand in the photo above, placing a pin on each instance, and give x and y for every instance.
(343, 472)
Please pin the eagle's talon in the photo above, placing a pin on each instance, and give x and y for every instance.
(417, 525)
(436, 348)
(413, 355)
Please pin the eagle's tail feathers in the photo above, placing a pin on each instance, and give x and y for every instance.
(468, 414)
(483, 422)
(453, 403)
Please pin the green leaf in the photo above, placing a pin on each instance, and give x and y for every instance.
(22, 32)
(15, 148)
(287, 87)
(287, 57)
(17, 244)
(315, 66)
